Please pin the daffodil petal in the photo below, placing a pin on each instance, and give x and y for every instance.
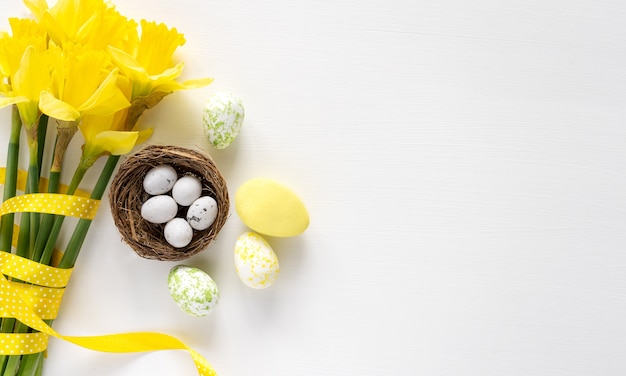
(127, 64)
(87, 27)
(55, 30)
(38, 7)
(32, 76)
(112, 103)
(143, 83)
(197, 83)
(172, 86)
(158, 44)
(90, 125)
(116, 142)
(169, 87)
(168, 74)
(144, 135)
(107, 99)
(6, 101)
(57, 109)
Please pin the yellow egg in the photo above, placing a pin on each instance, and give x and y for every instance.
(255, 261)
(270, 208)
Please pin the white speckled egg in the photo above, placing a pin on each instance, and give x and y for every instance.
(222, 117)
(187, 190)
(178, 232)
(193, 290)
(160, 180)
(202, 213)
(255, 261)
(159, 209)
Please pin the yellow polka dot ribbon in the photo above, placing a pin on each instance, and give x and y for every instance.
(37, 296)
(52, 203)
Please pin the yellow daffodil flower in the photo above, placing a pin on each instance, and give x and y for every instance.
(83, 84)
(149, 65)
(31, 78)
(113, 30)
(67, 20)
(92, 22)
(29, 81)
(103, 136)
(25, 32)
(4, 87)
(28, 28)
(23, 63)
(10, 98)
(111, 134)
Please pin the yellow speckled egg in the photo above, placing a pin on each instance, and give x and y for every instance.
(255, 261)
(271, 208)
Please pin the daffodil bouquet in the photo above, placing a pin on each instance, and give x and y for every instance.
(76, 69)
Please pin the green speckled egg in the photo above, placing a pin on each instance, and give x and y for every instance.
(193, 290)
(222, 117)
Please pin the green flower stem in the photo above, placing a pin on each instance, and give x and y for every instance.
(42, 129)
(23, 237)
(28, 236)
(10, 188)
(13, 365)
(39, 370)
(32, 182)
(65, 133)
(31, 364)
(58, 220)
(24, 246)
(10, 181)
(47, 219)
(33, 187)
(41, 139)
(80, 232)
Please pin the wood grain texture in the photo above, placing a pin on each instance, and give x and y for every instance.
(464, 166)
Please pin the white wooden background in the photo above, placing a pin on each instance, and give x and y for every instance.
(464, 164)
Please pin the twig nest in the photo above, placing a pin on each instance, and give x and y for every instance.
(127, 196)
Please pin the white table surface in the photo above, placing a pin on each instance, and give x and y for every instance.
(464, 165)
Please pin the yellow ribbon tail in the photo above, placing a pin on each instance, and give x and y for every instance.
(140, 342)
(20, 304)
(129, 342)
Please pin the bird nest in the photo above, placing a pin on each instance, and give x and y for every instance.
(127, 195)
